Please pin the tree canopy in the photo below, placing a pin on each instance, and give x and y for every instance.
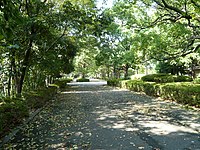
(39, 39)
(159, 30)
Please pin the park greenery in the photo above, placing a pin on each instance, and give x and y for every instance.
(169, 87)
(43, 42)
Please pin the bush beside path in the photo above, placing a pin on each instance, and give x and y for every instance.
(100, 117)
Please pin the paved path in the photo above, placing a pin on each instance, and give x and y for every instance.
(97, 117)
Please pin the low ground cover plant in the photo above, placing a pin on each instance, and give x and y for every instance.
(114, 82)
(14, 111)
(165, 78)
(83, 80)
(176, 88)
(182, 92)
(38, 98)
(197, 81)
(62, 83)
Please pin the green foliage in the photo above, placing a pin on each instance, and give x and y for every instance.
(140, 86)
(12, 112)
(165, 78)
(83, 80)
(159, 78)
(185, 93)
(197, 81)
(38, 98)
(62, 83)
(182, 79)
(114, 82)
(167, 67)
(174, 35)
(39, 39)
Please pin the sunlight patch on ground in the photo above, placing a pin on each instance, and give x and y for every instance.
(100, 91)
(138, 117)
(112, 119)
(164, 127)
(195, 126)
(119, 126)
(95, 83)
(57, 145)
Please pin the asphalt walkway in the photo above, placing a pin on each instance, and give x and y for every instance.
(96, 117)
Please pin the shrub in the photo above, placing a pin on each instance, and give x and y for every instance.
(197, 81)
(150, 88)
(37, 99)
(182, 79)
(83, 80)
(185, 93)
(158, 78)
(114, 82)
(62, 83)
(165, 78)
(12, 112)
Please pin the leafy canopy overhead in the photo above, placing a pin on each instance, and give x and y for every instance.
(178, 21)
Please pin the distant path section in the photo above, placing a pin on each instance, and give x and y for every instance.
(92, 82)
(93, 116)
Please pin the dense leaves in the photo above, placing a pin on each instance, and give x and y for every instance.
(185, 93)
(44, 40)
(13, 111)
(146, 32)
(165, 78)
(39, 39)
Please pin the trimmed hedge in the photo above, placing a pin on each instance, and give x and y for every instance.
(182, 79)
(114, 82)
(165, 78)
(62, 83)
(83, 80)
(159, 78)
(197, 81)
(185, 93)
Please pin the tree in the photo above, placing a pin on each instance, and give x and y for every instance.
(25, 26)
(175, 68)
(40, 37)
(180, 16)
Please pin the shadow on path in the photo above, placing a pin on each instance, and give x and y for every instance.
(103, 118)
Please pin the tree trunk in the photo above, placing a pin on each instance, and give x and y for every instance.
(193, 71)
(16, 77)
(83, 73)
(108, 72)
(13, 75)
(146, 70)
(24, 68)
(114, 71)
(9, 81)
(126, 67)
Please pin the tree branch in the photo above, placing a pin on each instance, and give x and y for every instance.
(176, 55)
(195, 3)
(57, 39)
(175, 9)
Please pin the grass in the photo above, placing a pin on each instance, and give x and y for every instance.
(13, 111)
